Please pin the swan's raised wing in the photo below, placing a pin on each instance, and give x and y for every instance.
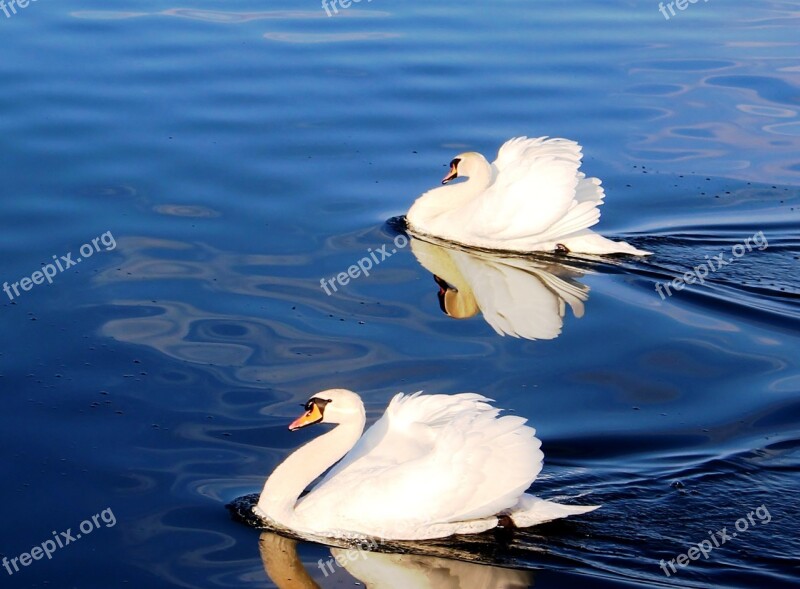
(406, 431)
(434, 459)
(535, 192)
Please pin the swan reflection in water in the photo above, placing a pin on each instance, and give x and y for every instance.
(379, 570)
(524, 297)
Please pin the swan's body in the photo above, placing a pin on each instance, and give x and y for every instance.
(533, 197)
(432, 466)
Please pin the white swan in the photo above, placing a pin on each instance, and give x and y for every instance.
(520, 297)
(531, 198)
(432, 466)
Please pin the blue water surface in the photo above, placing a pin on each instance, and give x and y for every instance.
(228, 156)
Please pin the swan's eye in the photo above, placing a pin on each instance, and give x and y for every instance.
(454, 163)
(320, 403)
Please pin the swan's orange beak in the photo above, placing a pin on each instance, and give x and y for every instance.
(453, 173)
(310, 417)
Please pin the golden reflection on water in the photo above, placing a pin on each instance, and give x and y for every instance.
(380, 570)
(520, 297)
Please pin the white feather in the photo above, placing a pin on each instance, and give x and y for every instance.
(432, 466)
(533, 197)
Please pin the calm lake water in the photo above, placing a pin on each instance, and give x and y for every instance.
(226, 157)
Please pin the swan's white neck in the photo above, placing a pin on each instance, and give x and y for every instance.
(293, 475)
(425, 210)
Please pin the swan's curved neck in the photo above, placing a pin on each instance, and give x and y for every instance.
(481, 175)
(293, 475)
(452, 196)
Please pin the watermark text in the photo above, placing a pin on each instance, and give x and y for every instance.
(331, 4)
(59, 540)
(679, 4)
(363, 266)
(717, 539)
(61, 263)
(700, 272)
(10, 8)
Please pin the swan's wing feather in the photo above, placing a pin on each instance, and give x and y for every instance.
(535, 190)
(491, 460)
(406, 430)
(514, 150)
(436, 458)
(404, 433)
(584, 212)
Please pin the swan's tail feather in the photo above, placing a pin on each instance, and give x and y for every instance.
(531, 511)
(623, 247)
(589, 242)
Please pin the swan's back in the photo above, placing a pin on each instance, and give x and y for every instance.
(538, 193)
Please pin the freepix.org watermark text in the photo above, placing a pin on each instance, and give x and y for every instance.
(60, 264)
(331, 4)
(9, 7)
(679, 4)
(700, 272)
(58, 541)
(715, 540)
(363, 266)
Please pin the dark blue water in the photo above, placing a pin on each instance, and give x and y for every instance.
(235, 155)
